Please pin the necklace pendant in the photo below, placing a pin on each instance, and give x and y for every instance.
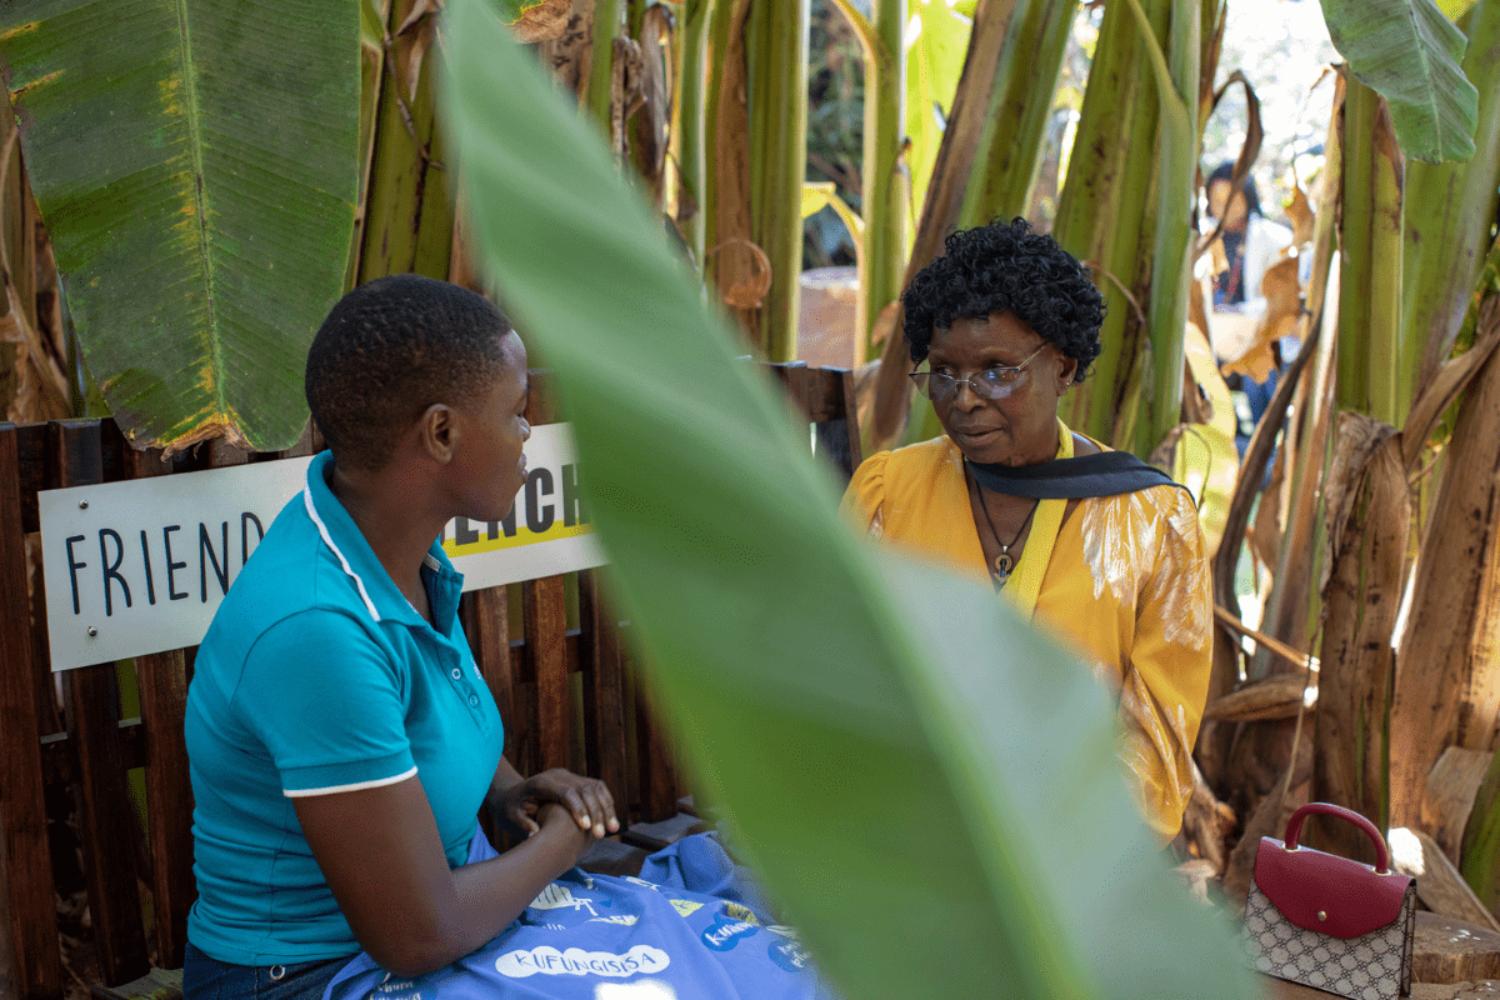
(1003, 566)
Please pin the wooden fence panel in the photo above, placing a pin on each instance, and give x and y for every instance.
(544, 608)
(163, 681)
(25, 861)
(33, 451)
(603, 691)
(105, 814)
(659, 787)
(485, 616)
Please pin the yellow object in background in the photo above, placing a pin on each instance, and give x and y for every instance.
(1206, 460)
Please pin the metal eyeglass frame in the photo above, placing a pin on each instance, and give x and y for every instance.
(922, 380)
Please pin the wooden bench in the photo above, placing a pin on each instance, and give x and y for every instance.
(95, 802)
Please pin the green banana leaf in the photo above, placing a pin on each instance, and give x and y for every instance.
(927, 785)
(1409, 52)
(196, 163)
(937, 38)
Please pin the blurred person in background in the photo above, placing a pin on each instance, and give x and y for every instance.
(1252, 243)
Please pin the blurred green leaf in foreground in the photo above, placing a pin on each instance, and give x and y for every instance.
(924, 783)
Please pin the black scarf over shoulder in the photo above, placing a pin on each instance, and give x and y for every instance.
(1106, 474)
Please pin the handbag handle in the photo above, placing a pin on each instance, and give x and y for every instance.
(1294, 829)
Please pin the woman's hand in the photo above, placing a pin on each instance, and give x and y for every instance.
(585, 800)
(555, 819)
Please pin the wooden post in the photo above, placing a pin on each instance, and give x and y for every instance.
(163, 682)
(603, 690)
(25, 863)
(105, 813)
(546, 623)
(486, 623)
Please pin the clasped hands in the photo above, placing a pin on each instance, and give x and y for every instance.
(587, 800)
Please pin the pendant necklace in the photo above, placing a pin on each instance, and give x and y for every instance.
(1005, 563)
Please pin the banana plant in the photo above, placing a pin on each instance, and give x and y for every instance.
(924, 782)
(202, 227)
(1010, 156)
(1177, 85)
(777, 55)
(1449, 210)
(1408, 52)
(1102, 211)
(885, 202)
(936, 37)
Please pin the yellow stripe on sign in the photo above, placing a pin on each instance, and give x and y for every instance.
(521, 538)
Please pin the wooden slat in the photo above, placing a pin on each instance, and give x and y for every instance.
(544, 657)
(31, 457)
(603, 690)
(169, 799)
(220, 455)
(851, 419)
(823, 398)
(658, 769)
(162, 678)
(48, 711)
(106, 816)
(59, 761)
(662, 833)
(793, 378)
(25, 863)
(544, 612)
(486, 623)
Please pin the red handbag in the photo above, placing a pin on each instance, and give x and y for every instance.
(1330, 922)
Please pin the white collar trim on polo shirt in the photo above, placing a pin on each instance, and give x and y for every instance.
(312, 512)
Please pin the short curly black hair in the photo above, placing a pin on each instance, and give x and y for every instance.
(1006, 267)
(390, 349)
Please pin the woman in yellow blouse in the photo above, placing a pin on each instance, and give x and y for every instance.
(1093, 545)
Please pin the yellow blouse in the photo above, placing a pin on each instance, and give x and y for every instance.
(1123, 581)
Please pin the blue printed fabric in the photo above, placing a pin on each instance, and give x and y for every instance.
(692, 925)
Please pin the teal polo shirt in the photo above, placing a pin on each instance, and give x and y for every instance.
(317, 677)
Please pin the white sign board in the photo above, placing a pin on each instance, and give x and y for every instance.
(140, 567)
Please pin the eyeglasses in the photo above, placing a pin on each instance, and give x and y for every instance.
(995, 382)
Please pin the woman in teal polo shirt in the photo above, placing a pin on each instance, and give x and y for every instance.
(340, 738)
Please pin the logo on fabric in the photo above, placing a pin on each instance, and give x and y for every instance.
(642, 883)
(643, 959)
(723, 935)
(559, 897)
(790, 955)
(395, 989)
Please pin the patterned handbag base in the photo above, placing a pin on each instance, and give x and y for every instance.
(1375, 966)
